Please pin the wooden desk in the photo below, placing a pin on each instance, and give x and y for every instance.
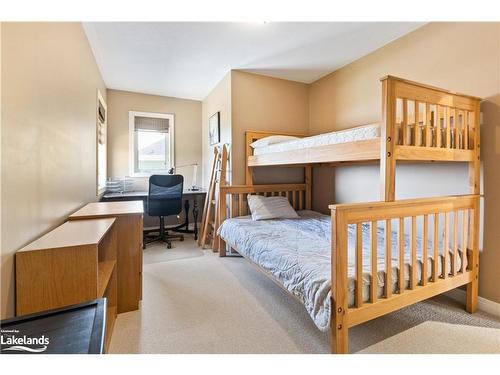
(143, 196)
(128, 224)
(74, 263)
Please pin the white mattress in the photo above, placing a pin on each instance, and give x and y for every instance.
(343, 136)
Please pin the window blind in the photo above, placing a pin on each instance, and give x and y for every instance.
(151, 124)
(101, 133)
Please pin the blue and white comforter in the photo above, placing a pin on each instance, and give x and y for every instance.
(297, 253)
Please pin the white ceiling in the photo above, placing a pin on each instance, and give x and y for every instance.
(187, 59)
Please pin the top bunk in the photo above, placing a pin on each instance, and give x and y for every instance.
(419, 123)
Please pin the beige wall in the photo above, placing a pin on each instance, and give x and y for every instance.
(463, 57)
(457, 56)
(49, 80)
(187, 131)
(219, 100)
(254, 102)
(266, 103)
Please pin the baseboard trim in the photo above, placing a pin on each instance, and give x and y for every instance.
(483, 304)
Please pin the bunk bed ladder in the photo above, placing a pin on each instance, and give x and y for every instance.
(209, 220)
(207, 207)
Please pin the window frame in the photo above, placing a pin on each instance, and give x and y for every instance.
(132, 141)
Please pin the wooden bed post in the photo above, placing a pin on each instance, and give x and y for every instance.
(387, 141)
(248, 152)
(474, 185)
(220, 244)
(338, 321)
(308, 182)
(222, 217)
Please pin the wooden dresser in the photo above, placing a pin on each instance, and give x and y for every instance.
(128, 224)
(74, 263)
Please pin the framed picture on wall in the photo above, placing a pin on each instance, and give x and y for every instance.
(214, 128)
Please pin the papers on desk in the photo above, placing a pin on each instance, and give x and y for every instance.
(119, 185)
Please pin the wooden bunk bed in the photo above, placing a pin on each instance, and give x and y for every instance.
(419, 123)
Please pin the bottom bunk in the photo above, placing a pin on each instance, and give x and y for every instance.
(297, 254)
(327, 262)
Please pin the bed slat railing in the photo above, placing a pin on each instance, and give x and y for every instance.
(435, 246)
(454, 257)
(374, 268)
(406, 244)
(236, 205)
(401, 245)
(359, 265)
(429, 123)
(444, 268)
(425, 239)
(388, 258)
(465, 232)
(437, 123)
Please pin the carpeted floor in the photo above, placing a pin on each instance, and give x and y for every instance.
(196, 302)
(447, 338)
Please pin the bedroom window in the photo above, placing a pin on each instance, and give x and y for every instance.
(151, 143)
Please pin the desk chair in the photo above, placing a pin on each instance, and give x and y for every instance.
(164, 199)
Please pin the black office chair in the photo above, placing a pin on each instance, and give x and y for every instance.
(164, 199)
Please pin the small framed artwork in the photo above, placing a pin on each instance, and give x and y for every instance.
(214, 129)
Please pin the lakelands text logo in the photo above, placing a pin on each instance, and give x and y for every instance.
(16, 343)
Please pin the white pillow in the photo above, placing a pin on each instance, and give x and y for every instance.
(263, 208)
(266, 141)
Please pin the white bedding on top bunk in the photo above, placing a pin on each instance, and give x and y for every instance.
(343, 136)
(296, 252)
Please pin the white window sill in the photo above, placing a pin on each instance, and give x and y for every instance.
(147, 175)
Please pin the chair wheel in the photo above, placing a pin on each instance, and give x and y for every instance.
(169, 246)
(181, 239)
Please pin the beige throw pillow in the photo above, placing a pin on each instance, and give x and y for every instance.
(263, 208)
